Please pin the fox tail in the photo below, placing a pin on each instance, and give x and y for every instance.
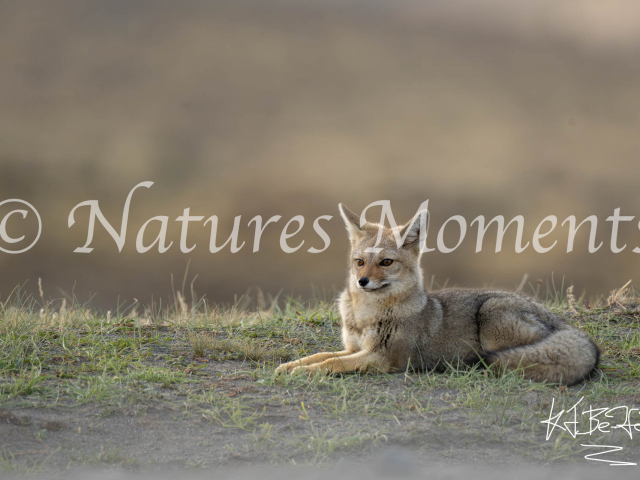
(567, 356)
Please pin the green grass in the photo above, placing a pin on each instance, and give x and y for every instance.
(217, 365)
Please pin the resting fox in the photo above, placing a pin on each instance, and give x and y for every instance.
(390, 323)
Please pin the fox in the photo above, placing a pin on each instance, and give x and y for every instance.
(390, 323)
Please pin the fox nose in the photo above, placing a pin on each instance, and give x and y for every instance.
(363, 281)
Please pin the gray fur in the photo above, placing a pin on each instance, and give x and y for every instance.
(392, 323)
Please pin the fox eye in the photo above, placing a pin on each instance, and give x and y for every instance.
(359, 262)
(386, 262)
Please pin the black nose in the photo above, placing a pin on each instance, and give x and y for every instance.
(363, 281)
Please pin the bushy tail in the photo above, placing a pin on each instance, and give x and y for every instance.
(567, 356)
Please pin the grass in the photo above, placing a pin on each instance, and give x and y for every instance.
(241, 349)
(214, 366)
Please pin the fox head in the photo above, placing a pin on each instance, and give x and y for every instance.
(383, 268)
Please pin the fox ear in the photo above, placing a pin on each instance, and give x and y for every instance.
(352, 221)
(415, 230)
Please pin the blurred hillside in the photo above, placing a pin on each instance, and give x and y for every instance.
(290, 107)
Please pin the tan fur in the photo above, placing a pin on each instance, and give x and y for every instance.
(391, 323)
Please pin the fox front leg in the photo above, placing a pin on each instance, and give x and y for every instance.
(361, 361)
(312, 359)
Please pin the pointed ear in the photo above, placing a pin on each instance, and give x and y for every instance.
(352, 222)
(411, 232)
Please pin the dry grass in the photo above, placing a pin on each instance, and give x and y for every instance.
(243, 349)
(621, 296)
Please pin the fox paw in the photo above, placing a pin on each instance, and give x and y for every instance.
(287, 367)
(308, 369)
(311, 370)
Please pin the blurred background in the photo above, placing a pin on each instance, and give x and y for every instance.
(290, 107)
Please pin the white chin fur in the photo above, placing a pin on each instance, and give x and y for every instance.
(373, 288)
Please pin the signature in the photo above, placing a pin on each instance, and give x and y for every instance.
(600, 420)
